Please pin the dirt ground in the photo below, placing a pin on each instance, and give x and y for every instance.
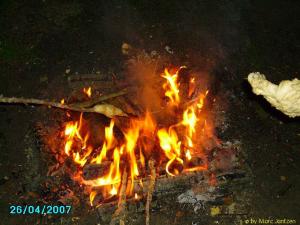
(39, 40)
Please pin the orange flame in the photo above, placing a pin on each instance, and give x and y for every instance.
(136, 196)
(70, 131)
(192, 86)
(177, 143)
(108, 144)
(131, 137)
(113, 191)
(113, 177)
(201, 100)
(92, 197)
(168, 141)
(188, 155)
(190, 120)
(87, 91)
(171, 86)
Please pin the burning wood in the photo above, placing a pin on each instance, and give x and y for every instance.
(150, 189)
(169, 146)
(119, 213)
(198, 181)
(94, 171)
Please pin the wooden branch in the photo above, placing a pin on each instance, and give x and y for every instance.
(150, 190)
(119, 213)
(105, 109)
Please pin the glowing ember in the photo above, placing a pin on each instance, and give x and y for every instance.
(136, 196)
(188, 155)
(113, 191)
(92, 197)
(173, 146)
(88, 91)
(192, 86)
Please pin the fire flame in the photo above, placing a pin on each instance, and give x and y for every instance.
(174, 150)
(171, 86)
(87, 91)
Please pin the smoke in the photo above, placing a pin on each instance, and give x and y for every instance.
(143, 73)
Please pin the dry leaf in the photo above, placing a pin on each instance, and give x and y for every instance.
(108, 110)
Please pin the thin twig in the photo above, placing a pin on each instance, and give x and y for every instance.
(105, 109)
(150, 190)
(33, 101)
(119, 214)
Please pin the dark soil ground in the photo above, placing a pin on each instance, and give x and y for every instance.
(39, 40)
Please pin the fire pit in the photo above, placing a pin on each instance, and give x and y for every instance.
(106, 163)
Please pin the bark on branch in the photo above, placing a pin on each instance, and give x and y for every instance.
(105, 109)
(119, 214)
(150, 190)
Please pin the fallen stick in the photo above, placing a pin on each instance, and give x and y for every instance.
(105, 109)
(150, 190)
(119, 214)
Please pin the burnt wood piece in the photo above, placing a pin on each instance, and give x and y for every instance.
(94, 171)
(119, 214)
(166, 185)
(150, 189)
(184, 80)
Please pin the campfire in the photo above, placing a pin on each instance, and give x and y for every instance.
(173, 146)
(124, 147)
(162, 141)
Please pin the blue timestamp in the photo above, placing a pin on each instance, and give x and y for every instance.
(39, 209)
